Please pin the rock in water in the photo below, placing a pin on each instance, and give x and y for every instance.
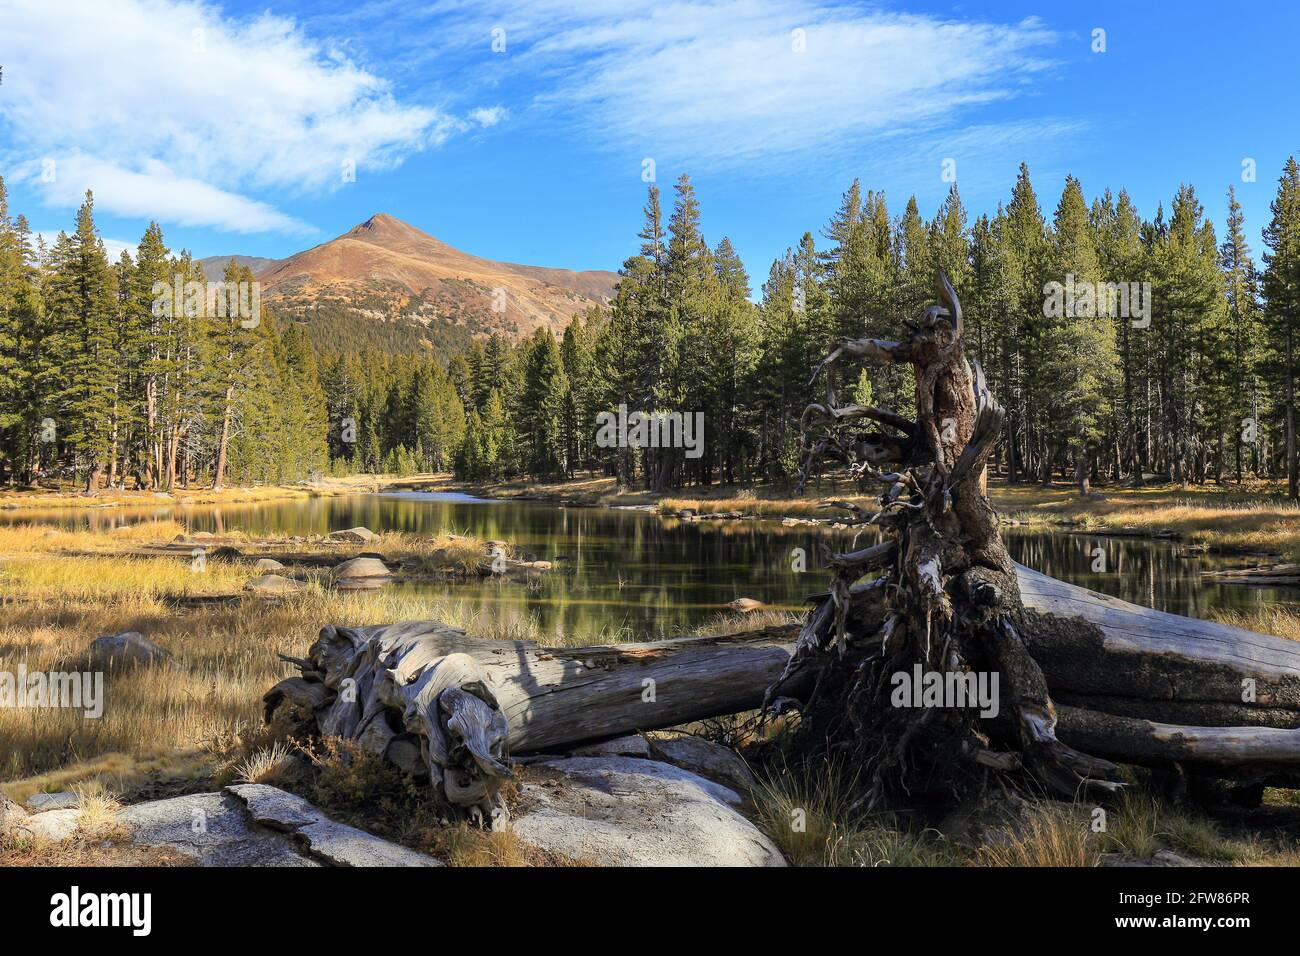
(357, 568)
(353, 536)
(129, 648)
(745, 605)
(361, 574)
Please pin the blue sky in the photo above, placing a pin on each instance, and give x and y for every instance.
(232, 123)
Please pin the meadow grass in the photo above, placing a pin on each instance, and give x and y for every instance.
(165, 729)
(65, 497)
(808, 819)
(59, 590)
(1255, 518)
(1252, 519)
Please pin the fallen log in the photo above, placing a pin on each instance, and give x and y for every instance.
(1136, 652)
(1264, 575)
(1262, 754)
(1132, 678)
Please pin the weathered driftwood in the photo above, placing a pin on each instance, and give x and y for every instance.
(551, 697)
(402, 693)
(1141, 653)
(1135, 685)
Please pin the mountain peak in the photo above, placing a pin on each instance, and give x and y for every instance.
(382, 222)
(388, 269)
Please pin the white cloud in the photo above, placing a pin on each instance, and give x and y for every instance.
(728, 81)
(487, 115)
(154, 186)
(176, 112)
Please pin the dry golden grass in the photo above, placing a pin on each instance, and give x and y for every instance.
(805, 817)
(775, 506)
(1253, 519)
(466, 845)
(157, 720)
(1054, 835)
(29, 537)
(223, 660)
(113, 578)
(267, 765)
(1282, 620)
(733, 622)
(69, 497)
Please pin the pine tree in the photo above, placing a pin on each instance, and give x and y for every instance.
(1241, 284)
(1282, 296)
(81, 300)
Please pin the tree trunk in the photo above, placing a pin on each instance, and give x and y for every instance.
(219, 476)
(1292, 472)
(949, 602)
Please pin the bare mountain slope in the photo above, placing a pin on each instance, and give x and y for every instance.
(387, 271)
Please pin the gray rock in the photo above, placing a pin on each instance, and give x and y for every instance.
(338, 843)
(129, 648)
(55, 825)
(270, 585)
(633, 745)
(11, 815)
(353, 536)
(360, 569)
(40, 802)
(704, 757)
(267, 566)
(212, 828)
(624, 811)
(273, 807)
(347, 846)
(1162, 858)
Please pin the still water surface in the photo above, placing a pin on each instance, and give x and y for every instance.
(633, 574)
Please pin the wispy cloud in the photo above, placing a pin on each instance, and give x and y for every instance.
(172, 110)
(723, 82)
(487, 116)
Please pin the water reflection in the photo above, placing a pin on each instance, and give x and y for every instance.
(635, 574)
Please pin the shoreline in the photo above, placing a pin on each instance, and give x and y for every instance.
(1253, 521)
(70, 500)
(1250, 521)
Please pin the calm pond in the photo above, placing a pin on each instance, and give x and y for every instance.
(632, 574)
